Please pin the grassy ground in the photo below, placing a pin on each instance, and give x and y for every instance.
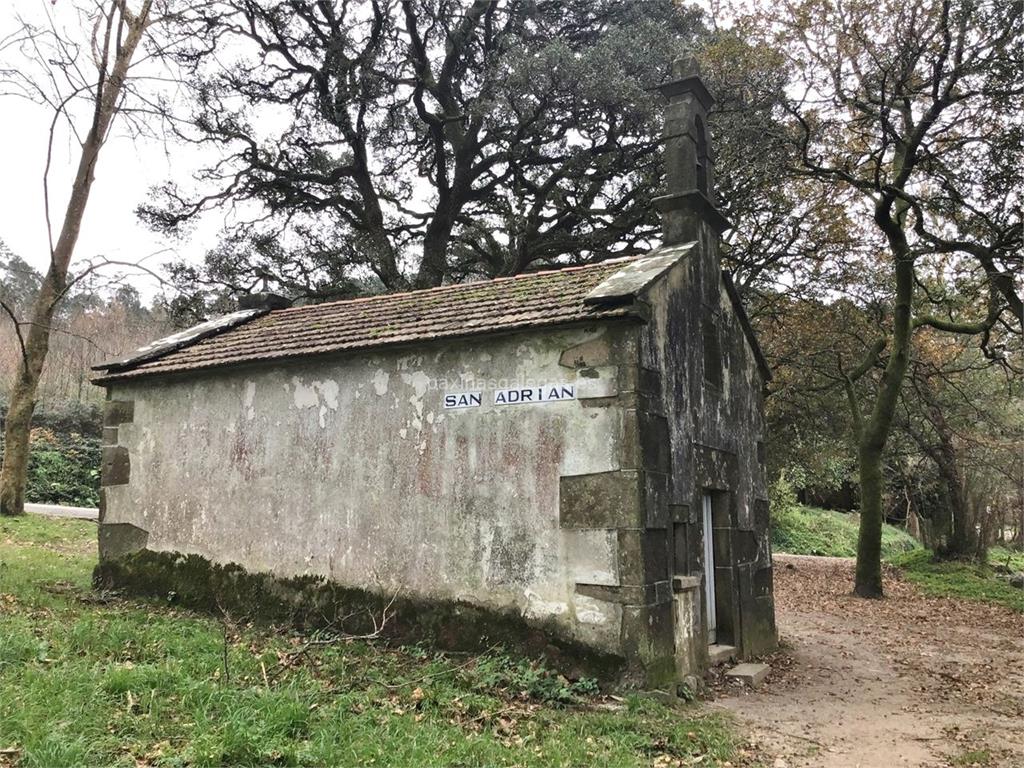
(973, 582)
(92, 681)
(1013, 559)
(801, 530)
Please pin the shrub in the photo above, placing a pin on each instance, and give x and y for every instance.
(62, 468)
(67, 418)
(784, 510)
(782, 498)
(800, 530)
(71, 418)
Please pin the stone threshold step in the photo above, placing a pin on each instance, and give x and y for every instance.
(750, 673)
(721, 654)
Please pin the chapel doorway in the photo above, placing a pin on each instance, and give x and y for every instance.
(711, 614)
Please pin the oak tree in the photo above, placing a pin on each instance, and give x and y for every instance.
(910, 109)
(415, 142)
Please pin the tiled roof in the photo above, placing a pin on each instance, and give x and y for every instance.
(536, 299)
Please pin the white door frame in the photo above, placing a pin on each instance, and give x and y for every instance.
(709, 569)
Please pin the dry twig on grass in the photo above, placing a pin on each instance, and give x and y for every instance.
(327, 636)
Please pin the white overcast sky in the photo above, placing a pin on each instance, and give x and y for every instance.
(125, 172)
(127, 169)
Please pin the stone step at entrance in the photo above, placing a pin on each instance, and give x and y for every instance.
(751, 674)
(721, 654)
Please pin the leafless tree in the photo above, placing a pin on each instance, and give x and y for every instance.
(81, 65)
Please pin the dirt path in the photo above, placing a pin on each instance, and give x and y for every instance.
(906, 681)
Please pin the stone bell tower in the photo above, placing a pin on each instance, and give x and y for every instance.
(688, 210)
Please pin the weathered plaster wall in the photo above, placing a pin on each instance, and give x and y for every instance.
(715, 427)
(350, 468)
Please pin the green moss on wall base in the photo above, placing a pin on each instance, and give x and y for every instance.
(311, 602)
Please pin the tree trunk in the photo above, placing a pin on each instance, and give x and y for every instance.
(959, 538)
(916, 527)
(981, 519)
(875, 433)
(14, 472)
(1018, 534)
(435, 253)
(16, 435)
(869, 538)
(960, 543)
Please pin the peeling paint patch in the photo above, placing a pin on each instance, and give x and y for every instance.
(380, 381)
(304, 397)
(538, 608)
(420, 383)
(322, 394)
(592, 611)
(250, 396)
(329, 389)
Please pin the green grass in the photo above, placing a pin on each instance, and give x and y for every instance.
(963, 580)
(92, 681)
(1011, 558)
(975, 758)
(801, 530)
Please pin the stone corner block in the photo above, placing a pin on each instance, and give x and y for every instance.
(591, 555)
(598, 622)
(593, 352)
(600, 500)
(648, 638)
(115, 468)
(655, 443)
(686, 583)
(118, 412)
(644, 558)
(119, 539)
(596, 382)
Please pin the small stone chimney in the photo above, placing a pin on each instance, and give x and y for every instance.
(689, 162)
(263, 300)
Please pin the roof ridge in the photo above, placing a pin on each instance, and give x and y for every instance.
(453, 286)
